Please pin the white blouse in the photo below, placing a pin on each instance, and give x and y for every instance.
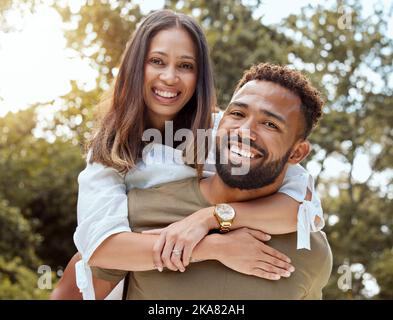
(102, 200)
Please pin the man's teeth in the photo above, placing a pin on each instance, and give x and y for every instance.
(241, 152)
(165, 94)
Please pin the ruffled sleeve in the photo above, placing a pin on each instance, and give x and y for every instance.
(102, 211)
(296, 182)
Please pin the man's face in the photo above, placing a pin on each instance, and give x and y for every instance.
(263, 122)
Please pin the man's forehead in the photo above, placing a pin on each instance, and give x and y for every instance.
(267, 91)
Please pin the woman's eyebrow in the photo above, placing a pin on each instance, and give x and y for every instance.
(181, 57)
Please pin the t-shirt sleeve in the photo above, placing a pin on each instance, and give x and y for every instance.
(310, 218)
(111, 275)
(321, 272)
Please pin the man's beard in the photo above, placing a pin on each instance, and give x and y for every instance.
(258, 176)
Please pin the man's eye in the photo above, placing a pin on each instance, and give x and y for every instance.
(236, 114)
(271, 125)
(187, 66)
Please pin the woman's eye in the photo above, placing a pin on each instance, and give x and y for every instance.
(156, 61)
(187, 66)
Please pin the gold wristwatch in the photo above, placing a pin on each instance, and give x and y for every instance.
(225, 215)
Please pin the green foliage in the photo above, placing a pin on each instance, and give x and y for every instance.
(357, 120)
(16, 235)
(383, 271)
(19, 282)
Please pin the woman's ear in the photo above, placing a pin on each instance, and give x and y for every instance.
(302, 150)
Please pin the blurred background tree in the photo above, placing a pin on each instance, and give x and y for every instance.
(353, 64)
(40, 159)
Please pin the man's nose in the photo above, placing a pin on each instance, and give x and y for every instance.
(169, 76)
(246, 130)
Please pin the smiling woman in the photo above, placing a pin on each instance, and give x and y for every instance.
(35, 64)
(170, 75)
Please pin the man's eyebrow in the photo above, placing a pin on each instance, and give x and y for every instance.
(181, 57)
(238, 104)
(273, 115)
(264, 111)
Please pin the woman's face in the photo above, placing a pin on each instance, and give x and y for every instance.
(170, 75)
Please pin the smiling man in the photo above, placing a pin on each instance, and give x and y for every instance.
(270, 115)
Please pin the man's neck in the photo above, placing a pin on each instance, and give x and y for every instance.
(216, 191)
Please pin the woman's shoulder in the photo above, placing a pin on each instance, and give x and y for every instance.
(99, 173)
(296, 170)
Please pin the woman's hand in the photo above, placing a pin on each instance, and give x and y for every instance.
(243, 250)
(181, 236)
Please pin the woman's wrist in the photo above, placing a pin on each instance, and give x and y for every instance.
(208, 219)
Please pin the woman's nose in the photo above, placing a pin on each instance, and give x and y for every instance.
(169, 76)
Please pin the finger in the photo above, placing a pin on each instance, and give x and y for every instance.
(260, 235)
(273, 252)
(157, 251)
(153, 231)
(187, 251)
(176, 258)
(273, 269)
(166, 254)
(265, 275)
(277, 262)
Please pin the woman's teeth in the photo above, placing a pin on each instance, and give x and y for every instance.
(165, 94)
(240, 152)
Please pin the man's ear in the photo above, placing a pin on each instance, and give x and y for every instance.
(302, 150)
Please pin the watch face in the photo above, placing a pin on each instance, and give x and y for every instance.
(225, 211)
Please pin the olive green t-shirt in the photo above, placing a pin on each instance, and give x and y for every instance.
(162, 205)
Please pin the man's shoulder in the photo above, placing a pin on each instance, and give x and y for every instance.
(182, 193)
(320, 257)
(320, 245)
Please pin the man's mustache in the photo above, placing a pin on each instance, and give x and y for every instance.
(250, 143)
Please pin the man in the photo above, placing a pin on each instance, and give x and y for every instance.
(271, 113)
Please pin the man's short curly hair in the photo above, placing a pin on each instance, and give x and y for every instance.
(294, 81)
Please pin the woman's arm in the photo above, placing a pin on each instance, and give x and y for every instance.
(242, 250)
(274, 214)
(101, 210)
(133, 251)
(67, 289)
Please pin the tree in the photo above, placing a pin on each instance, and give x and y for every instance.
(18, 258)
(352, 66)
(40, 179)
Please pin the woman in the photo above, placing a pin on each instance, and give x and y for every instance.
(165, 75)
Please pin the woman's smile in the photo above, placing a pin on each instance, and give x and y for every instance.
(166, 96)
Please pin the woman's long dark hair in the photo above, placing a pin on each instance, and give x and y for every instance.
(118, 140)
